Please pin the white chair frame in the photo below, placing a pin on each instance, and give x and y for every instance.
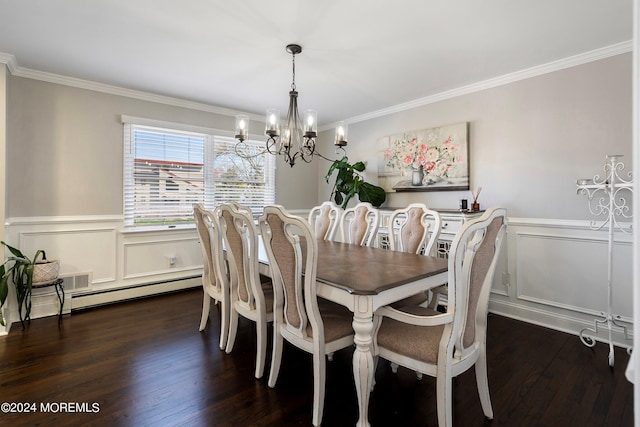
(215, 279)
(325, 220)
(454, 357)
(418, 232)
(305, 311)
(359, 224)
(246, 291)
(425, 222)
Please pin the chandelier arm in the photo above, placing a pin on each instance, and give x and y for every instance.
(271, 144)
(241, 153)
(297, 139)
(316, 153)
(290, 160)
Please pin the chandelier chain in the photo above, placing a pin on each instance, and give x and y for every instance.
(293, 74)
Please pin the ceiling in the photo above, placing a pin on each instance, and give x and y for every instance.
(359, 56)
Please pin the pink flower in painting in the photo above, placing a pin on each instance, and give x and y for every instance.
(436, 156)
(449, 148)
(433, 154)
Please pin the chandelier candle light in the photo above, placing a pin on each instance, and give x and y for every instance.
(297, 138)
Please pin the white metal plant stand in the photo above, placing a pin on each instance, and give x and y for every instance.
(608, 198)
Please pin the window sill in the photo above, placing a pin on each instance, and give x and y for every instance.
(157, 228)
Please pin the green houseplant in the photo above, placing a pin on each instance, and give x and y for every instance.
(20, 269)
(349, 182)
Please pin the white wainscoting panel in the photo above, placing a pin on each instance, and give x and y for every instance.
(92, 249)
(501, 279)
(571, 273)
(122, 264)
(556, 276)
(550, 272)
(151, 257)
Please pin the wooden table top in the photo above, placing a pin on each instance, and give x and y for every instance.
(370, 271)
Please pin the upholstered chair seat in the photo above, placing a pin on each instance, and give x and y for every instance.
(251, 294)
(415, 342)
(445, 345)
(310, 323)
(215, 278)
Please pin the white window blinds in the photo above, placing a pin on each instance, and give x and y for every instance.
(247, 181)
(167, 170)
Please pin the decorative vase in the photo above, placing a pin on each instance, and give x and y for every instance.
(417, 175)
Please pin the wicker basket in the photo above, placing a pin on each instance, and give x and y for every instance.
(46, 271)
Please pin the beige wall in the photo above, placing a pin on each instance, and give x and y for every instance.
(529, 140)
(64, 144)
(64, 150)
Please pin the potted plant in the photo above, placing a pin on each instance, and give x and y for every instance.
(349, 182)
(24, 272)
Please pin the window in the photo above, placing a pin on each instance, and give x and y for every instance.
(167, 170)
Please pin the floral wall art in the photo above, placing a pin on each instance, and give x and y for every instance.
(435, 159)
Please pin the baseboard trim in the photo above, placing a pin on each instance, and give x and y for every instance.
(109, 296)
(559, 322)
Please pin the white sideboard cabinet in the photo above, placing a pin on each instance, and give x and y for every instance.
(452, 220)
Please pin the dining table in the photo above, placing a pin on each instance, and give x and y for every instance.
(364, 279)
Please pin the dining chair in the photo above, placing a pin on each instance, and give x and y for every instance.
(251, 297)
(316, 326)
(418, 229)
(215, 280)
(325, 219)
(359, 224)
(444, 345)
(415, 229)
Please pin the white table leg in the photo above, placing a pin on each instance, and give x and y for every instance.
(363, 366)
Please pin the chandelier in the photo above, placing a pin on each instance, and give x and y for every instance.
(296, 138)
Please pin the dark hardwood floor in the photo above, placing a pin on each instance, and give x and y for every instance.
(144, 363)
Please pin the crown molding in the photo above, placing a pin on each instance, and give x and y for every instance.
(9, 60)
(539, 70)
(28, 73)
(572, 61)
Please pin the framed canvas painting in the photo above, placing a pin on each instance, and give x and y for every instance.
(435, 159)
